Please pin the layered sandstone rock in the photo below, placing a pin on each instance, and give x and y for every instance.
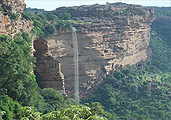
(111, 37)
(10, 26)
(47, 67)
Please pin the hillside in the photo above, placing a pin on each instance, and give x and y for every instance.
(125, 64)
(20, 96)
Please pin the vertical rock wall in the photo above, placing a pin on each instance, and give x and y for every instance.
(109, 38)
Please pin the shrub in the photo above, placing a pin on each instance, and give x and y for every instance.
(53, 97)
(28, 113)
(50, 29)
(74, 112)
(1, 9)
(9, 107)
(14, 16)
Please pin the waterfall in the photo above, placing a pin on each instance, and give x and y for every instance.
(76, 64)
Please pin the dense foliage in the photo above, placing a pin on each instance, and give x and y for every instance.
(161, 57)
(74, 112)
(16, 78)
(135, 93)
(162, 11)
(16, 64)
(160, 39)
(8, 108)
(48, 22)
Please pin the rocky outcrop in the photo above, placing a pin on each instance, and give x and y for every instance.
(109, 38)
(47, 67)
(11, 21)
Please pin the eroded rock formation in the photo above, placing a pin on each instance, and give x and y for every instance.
(47, 68)
(109, 38)
(11, 21)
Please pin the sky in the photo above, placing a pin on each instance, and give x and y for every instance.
(53, 4)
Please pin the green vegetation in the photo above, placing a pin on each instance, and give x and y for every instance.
(16, 64)
(34, 10)
(74, 112)
(14, 16)
(8, 107)
(1, 9)
(119, 13)
(10, 110)
(135, 93)
(161, 57)
(162, 27)
(49, 22)
(162, 11)
(18, 86)
(46, 23)
(160, 39)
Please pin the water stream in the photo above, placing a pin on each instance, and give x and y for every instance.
(76, 64)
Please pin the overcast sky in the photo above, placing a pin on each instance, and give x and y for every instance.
(53, 4)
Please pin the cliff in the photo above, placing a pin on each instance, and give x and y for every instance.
(111, 37)
(47, 67)
(11, 21)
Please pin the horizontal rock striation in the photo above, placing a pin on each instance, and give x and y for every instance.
(48, 70)
(11, 21)
(111, 37)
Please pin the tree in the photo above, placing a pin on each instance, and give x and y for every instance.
(8, 108)
(53, 97)
(50, 29)
(52, 18)
(28, 113)
(16, 64)
(79, 112)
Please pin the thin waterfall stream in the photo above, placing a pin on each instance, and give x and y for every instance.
(76, 64)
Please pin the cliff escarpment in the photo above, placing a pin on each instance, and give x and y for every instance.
(109, 38)
(11, 21)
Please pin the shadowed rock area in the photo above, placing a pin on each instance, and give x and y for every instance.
(111, 37)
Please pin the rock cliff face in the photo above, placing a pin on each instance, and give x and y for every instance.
(11, 21)
(109, 38)
(47, 67)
